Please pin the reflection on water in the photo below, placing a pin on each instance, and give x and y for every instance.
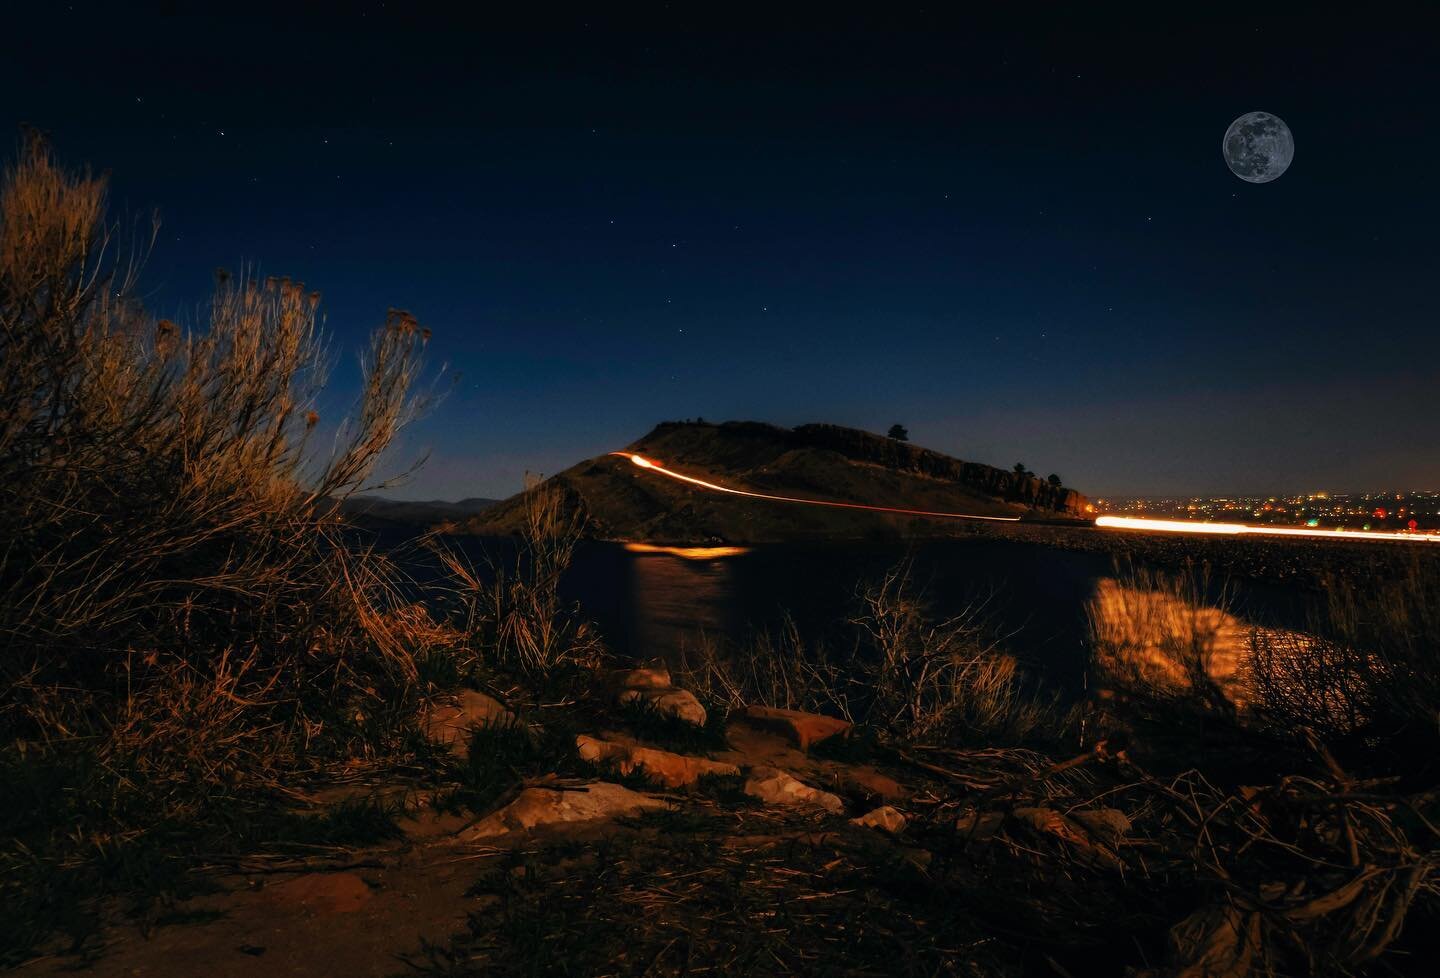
(1066, 614)
(1156, 633)
(688, 553)
(654, 602)
(675, 601)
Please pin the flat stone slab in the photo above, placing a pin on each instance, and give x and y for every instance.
(803, 729)
(671, 770)
(539, 806)
(776, 787)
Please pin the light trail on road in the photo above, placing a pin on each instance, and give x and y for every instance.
(1103, 522)
(656, 467)
(1244, 529)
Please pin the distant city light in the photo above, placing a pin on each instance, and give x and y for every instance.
(1380, 511)
(1242, 529)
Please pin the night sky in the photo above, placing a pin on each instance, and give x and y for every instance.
(1018, 239)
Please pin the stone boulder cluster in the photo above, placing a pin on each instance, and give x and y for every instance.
(767, 752)
(653, 688)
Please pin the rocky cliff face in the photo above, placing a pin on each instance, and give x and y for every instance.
(820, 462)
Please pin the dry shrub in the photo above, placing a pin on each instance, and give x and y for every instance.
(180, 608)
(775, 668)
(907, 674)
(1367, 678)
(158, 487)
(1315, 874)
(941, 680)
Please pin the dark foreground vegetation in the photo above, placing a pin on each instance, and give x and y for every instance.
(205, 676)
(184, 630)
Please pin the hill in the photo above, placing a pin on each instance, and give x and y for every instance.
(622, 501)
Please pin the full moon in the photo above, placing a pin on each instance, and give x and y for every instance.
(1258, 147)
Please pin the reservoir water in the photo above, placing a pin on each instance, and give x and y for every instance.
(654, 603)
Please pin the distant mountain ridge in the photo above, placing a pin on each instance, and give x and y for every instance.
(413, 513)
(621, 501)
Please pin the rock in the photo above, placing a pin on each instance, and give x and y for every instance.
(550, 806)
(451, 724)
(320, 893)
(1219, 941)
(1108, 825)
(671, 770)
(1051, 822)
(870, 783)
(979, 826)
(918, 858)
(675, 770)
(804, 729)
(752, 747)
(884, 818)
(775, 787)
(1048, 821)
(648, 677)
(678, 703)
(652, 685)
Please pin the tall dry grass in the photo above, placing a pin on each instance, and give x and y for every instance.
(183, 619)
(776, 667)
(943, 680)
(915, 677)
(513, 609)
(1366, 679)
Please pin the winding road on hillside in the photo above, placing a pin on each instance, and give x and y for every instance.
(1103, 522)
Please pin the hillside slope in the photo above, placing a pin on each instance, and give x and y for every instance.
(624, 502)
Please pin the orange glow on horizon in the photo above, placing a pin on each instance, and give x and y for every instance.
(1243, 529)
(646, 463)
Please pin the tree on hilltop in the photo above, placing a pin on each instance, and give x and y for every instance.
(898, 432)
